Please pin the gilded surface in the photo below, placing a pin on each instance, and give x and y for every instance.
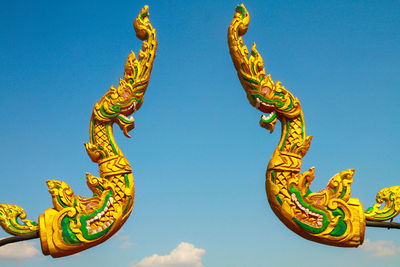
(76, 223)
(329, 216)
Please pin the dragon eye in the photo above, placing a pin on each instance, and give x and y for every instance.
(125, 94)
(266, 90)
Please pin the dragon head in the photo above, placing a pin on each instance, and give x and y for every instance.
(273, 99)
(262, 92)
(117, 104)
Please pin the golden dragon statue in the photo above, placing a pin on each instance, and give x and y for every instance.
(329, 216)
(76, 223)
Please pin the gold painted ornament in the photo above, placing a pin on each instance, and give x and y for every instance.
(329, 216)
(76, 223)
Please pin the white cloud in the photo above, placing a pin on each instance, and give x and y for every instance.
(124, 237)
(184, 255)
(126, 243)
(380, 248)
(19, 251)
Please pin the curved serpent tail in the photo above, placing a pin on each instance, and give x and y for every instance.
(329, 216)
(391, 197)
(76, 223)
(9, 215)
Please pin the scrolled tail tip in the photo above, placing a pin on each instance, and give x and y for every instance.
(241, 10)
(144, 12)
(141, 24)
(243, 17)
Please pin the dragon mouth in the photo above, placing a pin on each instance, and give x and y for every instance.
(102, 220)
(269, 117)
(128, 110)
(267, 122)
(127, 123)
(307, 216)
(264, 107)
(125, 112)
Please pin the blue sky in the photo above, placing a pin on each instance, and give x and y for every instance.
(198, 153)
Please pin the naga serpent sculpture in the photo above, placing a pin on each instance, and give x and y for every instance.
(330, 216)
(76, 223)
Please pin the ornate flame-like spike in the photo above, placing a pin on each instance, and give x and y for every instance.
(251, 71)
(137, 72)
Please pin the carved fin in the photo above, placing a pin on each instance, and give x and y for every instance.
(95, 152)
(62, 195)
(305, 146)
(96, 184)
(339, 186)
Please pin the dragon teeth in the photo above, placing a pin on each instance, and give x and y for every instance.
(267, 105)
(98, 217)
(258, 102)
(133, 105)
(100, 228)
(307, 211)
(271, 114)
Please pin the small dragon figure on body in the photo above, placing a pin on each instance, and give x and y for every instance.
(76, 223)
